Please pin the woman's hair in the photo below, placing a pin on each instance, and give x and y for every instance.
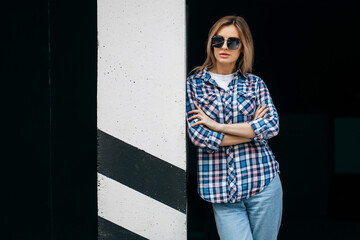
(246, 58)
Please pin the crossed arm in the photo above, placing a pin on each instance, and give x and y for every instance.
(208, 134)
(233, 133)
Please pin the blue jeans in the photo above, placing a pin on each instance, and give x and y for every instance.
(256, 218)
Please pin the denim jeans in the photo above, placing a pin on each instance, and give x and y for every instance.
(256, 218)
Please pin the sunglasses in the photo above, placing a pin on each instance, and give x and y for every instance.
(218, 41)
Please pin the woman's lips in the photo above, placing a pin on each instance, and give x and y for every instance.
(224, 55)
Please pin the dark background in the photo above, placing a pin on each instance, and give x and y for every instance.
(49, 159)
(306, 52)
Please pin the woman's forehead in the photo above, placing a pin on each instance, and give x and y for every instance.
(228, 31)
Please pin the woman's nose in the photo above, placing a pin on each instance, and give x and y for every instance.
(224, 46)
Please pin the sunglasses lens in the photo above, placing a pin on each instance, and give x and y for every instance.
(233, 43)
(217, 41)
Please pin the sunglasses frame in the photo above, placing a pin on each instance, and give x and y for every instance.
(229, 41)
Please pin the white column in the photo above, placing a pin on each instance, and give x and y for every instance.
(141, 101)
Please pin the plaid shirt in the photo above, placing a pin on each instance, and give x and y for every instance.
(253, 162)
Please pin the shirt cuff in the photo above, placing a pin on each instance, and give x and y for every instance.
(213, 141)
(259, 126)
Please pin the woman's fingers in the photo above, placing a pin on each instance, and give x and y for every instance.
(257, 111)
(197, 123)
(195, 116)
(263, 113)
(193, 111)
(198, 110)
(262, 107)
(260, 111)
(199, 114)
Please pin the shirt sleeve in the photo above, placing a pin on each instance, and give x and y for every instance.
(267, 126)
(200, 135)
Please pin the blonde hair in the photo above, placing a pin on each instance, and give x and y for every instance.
(246, 58)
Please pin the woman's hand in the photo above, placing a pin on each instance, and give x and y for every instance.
(260, 112)
(204, 119)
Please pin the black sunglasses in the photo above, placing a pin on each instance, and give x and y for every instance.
(218, 41)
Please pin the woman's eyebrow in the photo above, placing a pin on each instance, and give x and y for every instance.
(227, 37)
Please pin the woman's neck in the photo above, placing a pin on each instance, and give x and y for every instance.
(223, 69)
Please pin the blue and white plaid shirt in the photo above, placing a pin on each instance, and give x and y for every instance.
(253, 163)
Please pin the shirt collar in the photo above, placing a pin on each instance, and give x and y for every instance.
(205, 75)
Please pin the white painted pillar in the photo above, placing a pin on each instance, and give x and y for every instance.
(141, 119)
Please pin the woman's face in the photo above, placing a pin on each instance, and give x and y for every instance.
(224, 55)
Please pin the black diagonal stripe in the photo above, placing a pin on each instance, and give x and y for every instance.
(110, 231)
(141, 171)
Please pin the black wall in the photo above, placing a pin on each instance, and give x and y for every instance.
(49, 94)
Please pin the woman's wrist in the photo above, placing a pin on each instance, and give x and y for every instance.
(220, 127)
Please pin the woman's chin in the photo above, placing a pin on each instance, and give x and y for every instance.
(226, 62)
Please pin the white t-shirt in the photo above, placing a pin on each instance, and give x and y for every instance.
(222, 80)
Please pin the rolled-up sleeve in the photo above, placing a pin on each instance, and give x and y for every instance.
(267, 126)
(200, 135)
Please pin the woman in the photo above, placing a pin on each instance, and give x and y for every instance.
(230, 118)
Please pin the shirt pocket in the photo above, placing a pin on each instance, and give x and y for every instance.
(208, 103)
(246, 103)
